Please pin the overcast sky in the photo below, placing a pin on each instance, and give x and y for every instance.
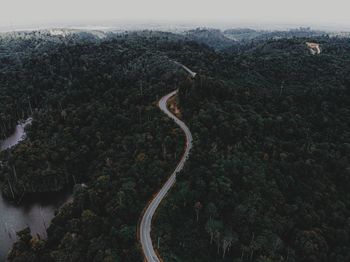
(17, 13)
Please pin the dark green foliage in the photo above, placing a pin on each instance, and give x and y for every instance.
(96, 122)
(268, 177)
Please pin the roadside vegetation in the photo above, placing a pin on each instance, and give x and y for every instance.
(268, 175)
(96, 128)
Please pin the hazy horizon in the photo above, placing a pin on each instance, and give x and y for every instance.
(268, 14)
(167, 25)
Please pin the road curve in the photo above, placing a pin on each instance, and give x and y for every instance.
(146, 222)
(192, 74)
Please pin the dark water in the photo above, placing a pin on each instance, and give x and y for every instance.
(17, 136)
(35, 212)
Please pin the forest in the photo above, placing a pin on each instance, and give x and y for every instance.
(96, 127)
(268, 176)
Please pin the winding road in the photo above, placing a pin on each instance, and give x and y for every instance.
(146, 222)
(192, 74)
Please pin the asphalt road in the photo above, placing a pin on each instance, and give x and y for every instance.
(192, 74)
(146, 222)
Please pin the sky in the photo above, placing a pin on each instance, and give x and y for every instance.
(21, 13)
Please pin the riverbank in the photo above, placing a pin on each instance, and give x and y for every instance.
(34, 213)
(34, 210)
(18, 136)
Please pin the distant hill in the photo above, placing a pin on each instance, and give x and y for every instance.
(250, 34)
(211, 37)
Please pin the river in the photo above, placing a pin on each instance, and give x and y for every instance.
(35, 212)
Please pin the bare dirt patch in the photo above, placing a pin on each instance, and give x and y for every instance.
(314, 48)
(173, 106)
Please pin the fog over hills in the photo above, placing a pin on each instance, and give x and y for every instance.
(162, 130)
(19, 13)
(172, 26)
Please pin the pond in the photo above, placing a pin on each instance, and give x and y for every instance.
(35, 211)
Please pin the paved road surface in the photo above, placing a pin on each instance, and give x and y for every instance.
(146, 222)
(192, 74)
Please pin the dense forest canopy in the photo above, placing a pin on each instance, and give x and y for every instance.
(95, 122)
(268, 176)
